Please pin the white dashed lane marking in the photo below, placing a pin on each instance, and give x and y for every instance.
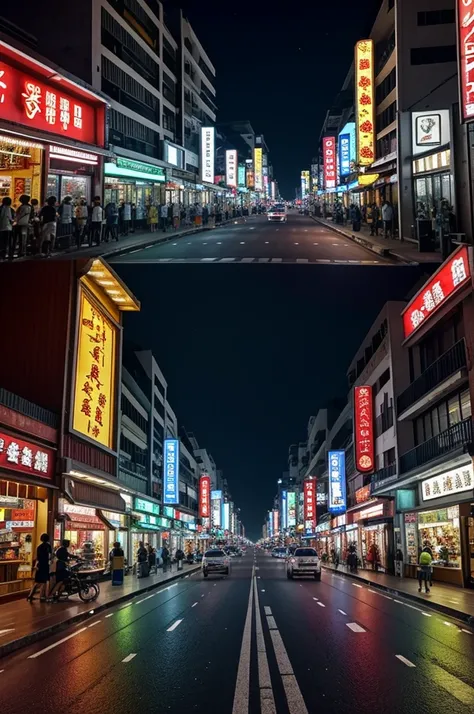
(129, 657)
(405, 661)
(342, 612)
(174, 626)
(355, 627)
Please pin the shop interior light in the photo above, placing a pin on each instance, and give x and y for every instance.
(12, 140)
(15, 153)
(106, 282)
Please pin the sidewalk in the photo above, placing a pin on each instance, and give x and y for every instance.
(403, 251)
(22, 623)
(452, 601)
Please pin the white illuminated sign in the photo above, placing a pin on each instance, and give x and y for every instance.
(231, 168)
(208, 146)
(449, 483)
(83, 157)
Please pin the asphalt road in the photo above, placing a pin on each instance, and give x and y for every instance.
(253, 643)
(256, 240)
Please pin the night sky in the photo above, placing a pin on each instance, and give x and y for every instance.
(251, 352)
(281, 69)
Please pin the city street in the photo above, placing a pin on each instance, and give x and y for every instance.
(256, 240)
(253, 642)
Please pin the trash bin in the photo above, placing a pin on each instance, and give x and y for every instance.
(425, 235)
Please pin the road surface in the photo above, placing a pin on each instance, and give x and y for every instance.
(256, 240)
(253, 643)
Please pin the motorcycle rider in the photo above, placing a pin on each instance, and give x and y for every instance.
(62, 556)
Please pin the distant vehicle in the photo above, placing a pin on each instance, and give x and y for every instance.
(304, 561)
(279, 553)
(278, 213)
(215, 561)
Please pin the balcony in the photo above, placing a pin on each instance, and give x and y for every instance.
(384, 422)
(383, 476)
(456, 437)
(441, 377)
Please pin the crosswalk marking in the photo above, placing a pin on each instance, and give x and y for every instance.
(247, 260)
(226, 260)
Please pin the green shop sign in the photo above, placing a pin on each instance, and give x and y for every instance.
(146, 506)
(134, 169)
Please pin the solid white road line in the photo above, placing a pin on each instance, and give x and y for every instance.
(355, 627)
(129, 657)
(4, 632)
(242, 684)
(59, 642)
(405, 661)
(342, 612)
(294, 698)
(267, 701)
(374, 592)
(174, 625)
(321, 604)
(448, 624)
(194, 604)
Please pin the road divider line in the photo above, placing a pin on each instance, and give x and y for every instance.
(111, 614)
(268, 610)
(97, 622)
(355, 627)
(342, 612)
(267, 700)
(405, 661)
(194, 604)
(174, 625)
(294, 697)
(56, 644)
(242, 684)
(321, 604)
(271, 623)
(356, 585)
(466, 631)
(129, 657)
(426, 614)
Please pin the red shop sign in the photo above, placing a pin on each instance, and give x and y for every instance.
(362, 494)
(364, 429)
(31, 102)
(465, 29)
(23, 514)
(25, 457)
(447, 280)
(204, 496)
(310, 502)
(330, 165)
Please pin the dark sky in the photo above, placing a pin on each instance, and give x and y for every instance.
(251, 352)
(280, 66)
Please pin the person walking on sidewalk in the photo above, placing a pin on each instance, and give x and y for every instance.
(165, 555)
(164, 217)
(387, 218)
(180, 558)
(48, 218)
(22, 219)
(96, 222)
(424, 570)
(373, 217)
(111, 222)
(142, 561)
(41, 565)
(355, 217)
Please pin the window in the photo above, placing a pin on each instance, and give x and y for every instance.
(433, 55)
(454, 410)
(132, 413)
(133, 135)
(169, 120)
(384, 378)
(466, 411)
(385, 87)
(159, 406)
(160, 386)
(113, 74)
(387, 117)
(168, 88)
(387, 145)
(436, 17)
(116, 38)
(135, 454)
(145, 26)
(169, 55)
(389, 457)
(446, 414)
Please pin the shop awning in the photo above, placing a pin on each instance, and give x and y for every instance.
(93, 523)
(89, 495)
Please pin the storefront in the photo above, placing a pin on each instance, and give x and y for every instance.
(136, 183)
(52, 132)
(26, 496)
(433, 183)
(374, 534)
(148, 524)
(86, 531)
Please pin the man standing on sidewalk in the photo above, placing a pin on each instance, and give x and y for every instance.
(165, 555)
(387, 217)
(164, 217)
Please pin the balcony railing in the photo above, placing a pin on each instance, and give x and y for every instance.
(449, 363)
(456, 436)
(384, 421)
(382, 475)
(18, 404)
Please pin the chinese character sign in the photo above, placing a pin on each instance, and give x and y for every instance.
(32, 102)
(453, 275)
(258, 173)
(205, 496)
(365, 100)
(291, 501)
(284, 511)
(364, 429)
(276, 524)
(171, 471)
(345, 154)
(310, 504)
(231, 168)
(208, 146)
(26, 458)
(465, 29)
(337, 481)
(241, 175)
(330, 164)
(448, 483)
(216, 501)
(93, 413)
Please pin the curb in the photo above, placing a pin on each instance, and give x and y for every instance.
(383, 252)
(450, 611)
(33, 637)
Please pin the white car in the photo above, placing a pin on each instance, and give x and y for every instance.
(278, 213)
(304, 561)
(279, 552)
(215, 562)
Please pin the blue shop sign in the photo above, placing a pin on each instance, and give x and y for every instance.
(171, 472)
(337, 482)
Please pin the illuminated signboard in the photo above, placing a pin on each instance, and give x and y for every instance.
(276, 526)
(305, 184)
(241, 175)
(330, 164)
(231, 168)
(309, 503)
(258, 174)
(273, 191)
(284, 511)
(449, 483)
(31, 102)
(171, 472)
(365, 99)
(26, 458)
(140, 504)
(465, 31)
(216, 507)
(364, 429)
(225, 516)
(337, 481)
(208, 146)
(93, 413)
(362, 494)
(291, 501)
(448, 279)
(270, 524)
(205, 496)
(347, 149)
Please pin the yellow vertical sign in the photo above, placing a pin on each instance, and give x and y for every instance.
(94, 388)
(365, 101)
(258, 161)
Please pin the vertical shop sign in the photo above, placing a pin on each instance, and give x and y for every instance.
(310, 504)
(465, 33)
(216, 504)
(344, 154)
(337, 481)
(329, 158)
(171, 472)
(365, 99)
(204, 496)
(291, 509)
(276, 525)
(284, 511)
(258, 163)
(364, 429)
(208, 145)
(241, 176)
(231, 168)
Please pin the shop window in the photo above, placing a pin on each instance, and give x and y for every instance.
(436, 17)
(435, 422)
(466, 404)
(440, 530)
(454, 410)
(433, 55)
(20, 169)
(389, 457)
(427, 424)
(443, 416)
(384, 378)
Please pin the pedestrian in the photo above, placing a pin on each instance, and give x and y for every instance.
(374, 219)
(387, 218)
(65, 212)
(374, 556)
(97, 218)
(126, 217)
(35, 233)
(164, 217)
(424, 569)
(152, 217)
(165, 555)
(355, 217)
(7, 216)
(180, 558)
(116, 552)
(111, 222)
(82, 214)
(399, 563)
(63, 556)
(175, 209)
(142, 561)
(151, 558)
(41, 566)
(48, 220)
(22, 220)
